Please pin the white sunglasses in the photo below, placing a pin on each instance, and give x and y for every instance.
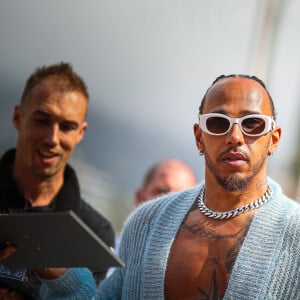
(251, 125)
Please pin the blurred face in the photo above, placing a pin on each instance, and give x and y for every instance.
(169, 177)
(50, 124)
(234, 159)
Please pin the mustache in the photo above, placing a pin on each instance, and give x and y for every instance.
(235, 150)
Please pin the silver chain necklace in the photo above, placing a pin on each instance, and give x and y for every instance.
(234, 212)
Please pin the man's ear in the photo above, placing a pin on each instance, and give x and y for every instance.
(198, 140)
(84, 127)
(138, 197)
(275, 138)
(16, 116)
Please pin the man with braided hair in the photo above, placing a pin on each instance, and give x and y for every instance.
(234, 236)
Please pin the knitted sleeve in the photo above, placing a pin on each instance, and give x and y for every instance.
(123, 284)
(66, 286)
(78, 283)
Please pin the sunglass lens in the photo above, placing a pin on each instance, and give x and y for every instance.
(217, 125)
(253, 125)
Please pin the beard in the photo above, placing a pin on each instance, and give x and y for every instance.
(234, 182)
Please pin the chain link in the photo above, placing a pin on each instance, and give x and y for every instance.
(234, 212)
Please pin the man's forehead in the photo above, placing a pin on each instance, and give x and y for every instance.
(237, 89)
(237, 85)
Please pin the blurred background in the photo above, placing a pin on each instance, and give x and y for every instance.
(147, 64)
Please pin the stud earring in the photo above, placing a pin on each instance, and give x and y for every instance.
(201, 152)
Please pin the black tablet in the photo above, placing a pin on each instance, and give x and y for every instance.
(56, 239)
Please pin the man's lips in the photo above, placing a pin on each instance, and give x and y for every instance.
(234, 157)
(47, 156)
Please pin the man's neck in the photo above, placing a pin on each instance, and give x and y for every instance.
(38, 191)
(218, 198)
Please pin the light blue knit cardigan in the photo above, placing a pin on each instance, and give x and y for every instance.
(267, 266)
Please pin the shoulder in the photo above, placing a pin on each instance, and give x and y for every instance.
(97, 222)
(147, 214)
(151, 219)
(279, 195)
(285, 209)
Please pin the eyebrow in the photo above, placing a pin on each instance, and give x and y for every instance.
(49, 115)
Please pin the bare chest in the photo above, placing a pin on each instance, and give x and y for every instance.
(202, 257)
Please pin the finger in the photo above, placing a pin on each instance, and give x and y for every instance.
(7, 251)
(7, 294)
(50, 273)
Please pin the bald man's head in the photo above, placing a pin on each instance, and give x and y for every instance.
(167, 176)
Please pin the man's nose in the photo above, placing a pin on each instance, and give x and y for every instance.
(235, 135)
(52, 135)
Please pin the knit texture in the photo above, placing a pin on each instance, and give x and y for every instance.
(66, 288)
(266, 267)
